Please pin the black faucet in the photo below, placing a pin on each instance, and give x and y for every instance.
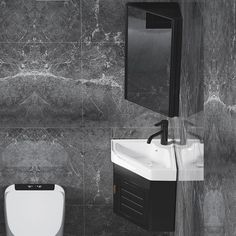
(163, 132)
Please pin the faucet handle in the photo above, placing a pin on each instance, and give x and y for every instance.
(162, 123)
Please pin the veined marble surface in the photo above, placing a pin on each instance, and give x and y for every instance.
(220, 117)
(62, 89)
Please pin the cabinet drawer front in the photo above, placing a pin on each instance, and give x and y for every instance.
(131, 213)
(133, 202)
(131, 196)
(133, 188)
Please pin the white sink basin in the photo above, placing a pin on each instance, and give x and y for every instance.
(151, 161)
(190, 160)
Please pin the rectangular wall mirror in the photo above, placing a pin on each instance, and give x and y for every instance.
(153, 56)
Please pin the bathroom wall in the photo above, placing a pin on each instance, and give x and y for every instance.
(61, 90)
(220, 118)
(214, 201)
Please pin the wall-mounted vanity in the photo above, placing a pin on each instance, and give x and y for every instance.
(145, 179)
(145, 183)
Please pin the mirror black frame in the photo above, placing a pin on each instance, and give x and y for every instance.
(171, 11)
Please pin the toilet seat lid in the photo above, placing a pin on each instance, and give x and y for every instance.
(34, 212)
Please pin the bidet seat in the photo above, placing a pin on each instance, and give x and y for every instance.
(34, 209)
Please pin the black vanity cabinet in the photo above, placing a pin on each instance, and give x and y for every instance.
(153, 56)
(149, 204)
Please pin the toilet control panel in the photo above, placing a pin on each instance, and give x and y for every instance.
(34, 186)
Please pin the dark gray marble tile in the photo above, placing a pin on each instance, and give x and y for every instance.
(100, 220)
(98, 166)
(40, 21)
(99, 106)
(103, 63)
(220, 134)
(220, 169)
(43, 156)
(102, 73)
(60, 60)
(228, 207)
(39, 84)
(219, 54)
(227, 52)
(189, 215)
(220, 51)
(192, 67)
(74, 220)
(2, 220)
(106, 107)
(219, 201)
(2, 230)
(103, 21)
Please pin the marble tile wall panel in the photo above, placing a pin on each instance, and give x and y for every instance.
(219, 201)
(98, 167)
(192, 78)
(220, 119)
(40, 62)
(110, 224)
(103, 22)
(189, 213)
(40, 21)
(102, 70)
(2, 221)
(39, 84)
(74, 220)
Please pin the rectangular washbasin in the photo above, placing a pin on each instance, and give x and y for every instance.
(153, 161)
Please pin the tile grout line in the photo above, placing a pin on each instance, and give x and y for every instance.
(82, 111)
(87, 127)
(62, 42)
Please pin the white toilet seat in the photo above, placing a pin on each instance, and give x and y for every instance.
(34, 212)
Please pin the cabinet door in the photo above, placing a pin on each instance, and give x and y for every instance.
(131, 201)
